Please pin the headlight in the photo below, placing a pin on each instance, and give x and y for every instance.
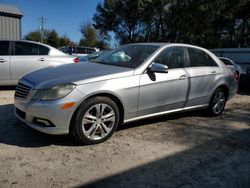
(56, 92)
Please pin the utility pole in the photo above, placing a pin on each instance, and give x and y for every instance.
(42, 23)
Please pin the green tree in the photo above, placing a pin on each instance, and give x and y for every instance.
(120, 17)
(92, 37)
(208, 23)
(64, 41)
(33, 36)
(52, 39)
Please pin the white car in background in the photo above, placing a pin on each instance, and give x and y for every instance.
(18, 57)
(79, 51)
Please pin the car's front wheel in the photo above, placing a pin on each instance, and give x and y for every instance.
(96, 120)
(217, 102)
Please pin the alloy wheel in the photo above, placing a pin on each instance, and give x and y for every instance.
(219, 102)
(98, 121)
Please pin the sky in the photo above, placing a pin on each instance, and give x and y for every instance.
(65, 16)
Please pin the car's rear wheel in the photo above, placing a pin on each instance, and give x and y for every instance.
(96, 120)
(217, 102)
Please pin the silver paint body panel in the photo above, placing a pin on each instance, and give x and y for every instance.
(141, 94)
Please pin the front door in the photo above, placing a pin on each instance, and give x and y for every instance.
(161, 92)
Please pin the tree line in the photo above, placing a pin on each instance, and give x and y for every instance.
(90, 37)
(207, 23)
(49, 37)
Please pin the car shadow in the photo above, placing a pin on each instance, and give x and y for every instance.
(162, 118)
(244, 91)
(14, 132)
(220, 162)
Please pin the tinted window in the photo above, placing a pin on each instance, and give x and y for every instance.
(173, 57)
(81, 50)
(25, 48)
(89, 51)
(199, 58)
(4, 47)
(43, 50)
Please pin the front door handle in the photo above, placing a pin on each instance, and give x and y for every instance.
(213, 72)
(183, 77)
(2, 61)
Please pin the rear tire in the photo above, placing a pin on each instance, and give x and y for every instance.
(217, 102)
(96, 120)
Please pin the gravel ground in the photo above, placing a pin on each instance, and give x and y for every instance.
(183, 150)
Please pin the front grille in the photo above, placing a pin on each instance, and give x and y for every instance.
(22, 90)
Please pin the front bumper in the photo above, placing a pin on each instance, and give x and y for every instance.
(57, 119)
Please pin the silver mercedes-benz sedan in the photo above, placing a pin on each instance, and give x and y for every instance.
(129, 83)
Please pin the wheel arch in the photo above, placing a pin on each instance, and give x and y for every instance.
(113, 97)
(224, 87)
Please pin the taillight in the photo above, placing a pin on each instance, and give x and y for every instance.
(76, 60)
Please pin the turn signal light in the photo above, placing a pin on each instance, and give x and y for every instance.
(67, 105)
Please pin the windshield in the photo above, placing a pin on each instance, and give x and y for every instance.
(127, 56)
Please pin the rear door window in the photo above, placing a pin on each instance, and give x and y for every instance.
(199, 58)
(4, 48)
(43, 50)
(25, 48)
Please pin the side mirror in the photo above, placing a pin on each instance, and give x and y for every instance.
(160, 68)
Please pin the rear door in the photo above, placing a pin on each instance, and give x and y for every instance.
(4, 60)
(203, 72)
(28, 57)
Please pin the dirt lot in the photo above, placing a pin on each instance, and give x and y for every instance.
(184, 150)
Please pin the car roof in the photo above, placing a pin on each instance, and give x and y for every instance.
(161, 44)
(29, 41)
(53, 50)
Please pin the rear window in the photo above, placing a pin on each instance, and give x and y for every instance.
(4, 47)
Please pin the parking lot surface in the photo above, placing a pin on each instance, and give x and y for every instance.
(183, 150)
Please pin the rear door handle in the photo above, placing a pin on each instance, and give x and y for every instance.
(2, 61)
(213, 72)
(182, 77)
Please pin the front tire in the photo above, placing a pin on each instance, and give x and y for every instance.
(96, 120)
(217, 102)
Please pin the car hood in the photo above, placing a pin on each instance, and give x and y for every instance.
(80, 73)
